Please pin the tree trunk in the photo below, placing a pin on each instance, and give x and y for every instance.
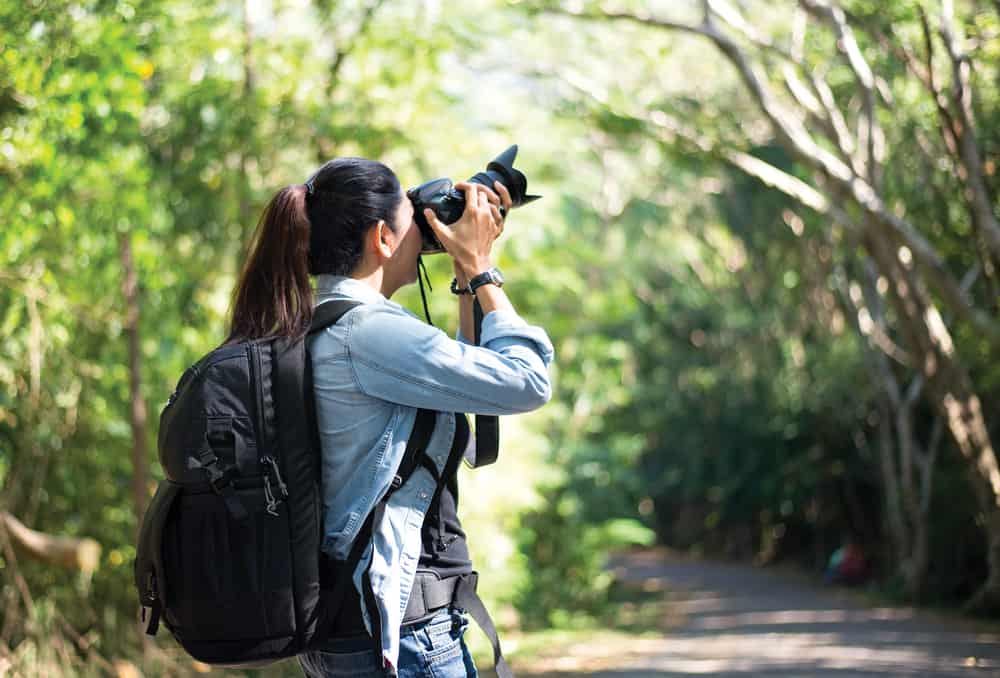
(899, 458)
(249, 84)
(951, 392)
(899, 529)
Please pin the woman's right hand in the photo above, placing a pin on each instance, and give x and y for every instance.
(469, 240)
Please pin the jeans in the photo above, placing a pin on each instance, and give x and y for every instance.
(430, 649)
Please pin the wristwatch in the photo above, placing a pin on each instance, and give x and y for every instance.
(490, 277)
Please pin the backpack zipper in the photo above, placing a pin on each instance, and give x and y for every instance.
(253, 358)
(186, 378)
(151, 586)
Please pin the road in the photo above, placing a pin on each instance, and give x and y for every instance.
(738, 621)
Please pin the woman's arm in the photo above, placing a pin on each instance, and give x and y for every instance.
(396, 357)
(466, 319)
(470, 245)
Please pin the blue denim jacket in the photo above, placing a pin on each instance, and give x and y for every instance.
(371, 372)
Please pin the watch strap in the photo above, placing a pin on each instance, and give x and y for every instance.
(491, 276)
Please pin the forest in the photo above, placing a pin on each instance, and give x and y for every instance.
(767, 254)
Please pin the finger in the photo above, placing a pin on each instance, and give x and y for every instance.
(463, 185)
(493, 197)
(470, 192)
(484, 199)
(497, 219)
(504, 195)
(436, 225)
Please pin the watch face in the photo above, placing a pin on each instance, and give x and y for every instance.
(491, 276)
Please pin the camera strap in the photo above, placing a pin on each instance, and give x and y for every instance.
(421, 277)
(487, 446)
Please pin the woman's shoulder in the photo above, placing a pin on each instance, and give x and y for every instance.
(377, 325)
(384, 310)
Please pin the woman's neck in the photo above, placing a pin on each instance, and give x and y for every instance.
(376, 279)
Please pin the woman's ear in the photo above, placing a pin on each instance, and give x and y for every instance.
(383, 239)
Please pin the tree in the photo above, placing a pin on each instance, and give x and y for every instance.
(841, 125)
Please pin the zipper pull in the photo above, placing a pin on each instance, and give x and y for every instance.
(277, 475)
(272, 504)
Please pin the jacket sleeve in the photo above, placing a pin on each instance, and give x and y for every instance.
(396, 357)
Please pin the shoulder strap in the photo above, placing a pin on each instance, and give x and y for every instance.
(420, 436)
(329, 312)
(343, 571)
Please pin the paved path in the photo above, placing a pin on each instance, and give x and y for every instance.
(737, 621)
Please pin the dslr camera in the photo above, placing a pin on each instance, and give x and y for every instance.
(448, 202)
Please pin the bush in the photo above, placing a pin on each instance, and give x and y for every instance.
(568, 584)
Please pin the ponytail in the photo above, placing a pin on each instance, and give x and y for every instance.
(309, 229)
(273, 296)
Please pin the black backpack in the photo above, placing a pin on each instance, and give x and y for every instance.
(228, 554)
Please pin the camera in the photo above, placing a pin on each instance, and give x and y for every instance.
(448, 202)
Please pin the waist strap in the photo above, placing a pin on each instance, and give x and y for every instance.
(430, 593)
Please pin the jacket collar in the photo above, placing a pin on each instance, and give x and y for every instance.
(339, 285)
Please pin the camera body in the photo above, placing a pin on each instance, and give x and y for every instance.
(448, 203)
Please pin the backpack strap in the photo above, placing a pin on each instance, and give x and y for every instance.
(220, 478)
(420, 436)
(329, 312)
(467, 599)
(342, 572)
(416, 445)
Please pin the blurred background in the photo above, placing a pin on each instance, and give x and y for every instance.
(767, 255)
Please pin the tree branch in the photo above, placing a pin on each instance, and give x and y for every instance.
(848, 46)
(798, 140)
(341, 54)
(816, 100)
(981, 206)
(76, 553)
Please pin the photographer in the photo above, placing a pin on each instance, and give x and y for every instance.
(373, 372)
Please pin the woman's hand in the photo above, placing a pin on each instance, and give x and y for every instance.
(470, 239)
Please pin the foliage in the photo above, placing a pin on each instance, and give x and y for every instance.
(711, 383)
(566, 556)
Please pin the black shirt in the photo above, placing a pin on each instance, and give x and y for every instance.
(444, 550)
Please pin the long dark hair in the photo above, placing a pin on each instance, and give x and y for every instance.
(309, 229)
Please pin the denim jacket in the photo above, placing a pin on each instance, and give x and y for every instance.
(371, 372)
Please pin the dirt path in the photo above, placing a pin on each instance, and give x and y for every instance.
(737, 621)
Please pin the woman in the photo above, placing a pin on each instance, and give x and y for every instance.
(351, 226)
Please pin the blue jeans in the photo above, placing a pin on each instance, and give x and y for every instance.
(430, 649)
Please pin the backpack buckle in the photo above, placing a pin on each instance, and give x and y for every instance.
(221, 481)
